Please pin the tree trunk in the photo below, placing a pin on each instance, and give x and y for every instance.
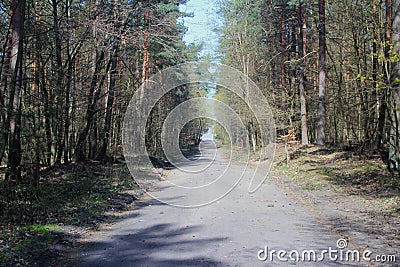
(109, 106)
(59, 90)
(321, 115)
(303, 51)
(383, 93)
(14, 149)
(283, 54)
(93, 96)
(5, 71)
(70, 77)
(111, 87)
(145, 65)
(394, 149)
(47, 117)
(375, 95)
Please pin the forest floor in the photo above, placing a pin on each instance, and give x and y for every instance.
(350, 193)
(38, 223)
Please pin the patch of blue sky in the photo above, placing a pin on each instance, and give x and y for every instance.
(201, 26)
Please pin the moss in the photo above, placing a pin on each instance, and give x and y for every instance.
(42, 229)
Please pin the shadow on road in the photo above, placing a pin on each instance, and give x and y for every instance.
(155, 245)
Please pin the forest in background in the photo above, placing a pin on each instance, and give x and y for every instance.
(68, 71)
(330, 69)
(68, 68)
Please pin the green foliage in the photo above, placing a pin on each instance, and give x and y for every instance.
(33, 217)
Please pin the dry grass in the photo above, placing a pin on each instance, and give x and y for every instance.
(318, 168)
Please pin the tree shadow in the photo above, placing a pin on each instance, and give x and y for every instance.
(372, 183)
(76, 193)
(356, 174)
(382, 240)
(161, 244)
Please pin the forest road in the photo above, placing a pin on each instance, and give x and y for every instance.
(233, 231)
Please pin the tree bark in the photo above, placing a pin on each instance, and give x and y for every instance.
(145, 65)
(303, 51)
(111, 86)
(14, 149)
(383, 95)
(375, 94)
(5, 73)
(59, 90)
(109, 106)
(93, 96)
(70, 78)
(283, 52)
(394, 149)
(321, 114)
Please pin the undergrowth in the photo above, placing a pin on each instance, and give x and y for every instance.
(34, 218)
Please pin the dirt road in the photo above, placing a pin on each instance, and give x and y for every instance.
(236, 230)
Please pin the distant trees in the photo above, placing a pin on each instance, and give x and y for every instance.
(327, 68)
(68, 70)
(239, 35)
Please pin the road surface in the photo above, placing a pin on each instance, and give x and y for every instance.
(233, 231)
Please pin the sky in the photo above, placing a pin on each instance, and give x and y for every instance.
(200, 29)
(201, 25)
